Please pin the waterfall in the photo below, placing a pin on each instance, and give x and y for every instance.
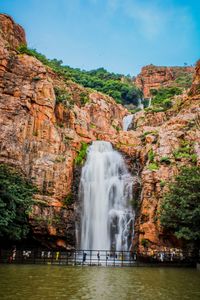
(105, 192)
(127, 120)
(149, 104)
(140, 104)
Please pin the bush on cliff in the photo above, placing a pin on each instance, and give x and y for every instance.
(81, 154)
(15, 202)
(162, 97)
(118, 86)
(180, 209)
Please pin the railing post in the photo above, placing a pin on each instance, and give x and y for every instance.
(67, 258)
(75, 257)
(106, 258)
(90, 256)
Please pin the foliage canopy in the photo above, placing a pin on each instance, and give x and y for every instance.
(162, 97)
(118, 86)
(15, 202)
(180, 209)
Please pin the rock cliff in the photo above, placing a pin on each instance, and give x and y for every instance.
(170, 140)
(154, 77)
(42, 136)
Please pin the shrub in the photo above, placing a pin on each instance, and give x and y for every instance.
(100, 79)
(68, 200)
(165, 159)
(151, 155)
(180, 209)
(186, 150)
(145, 243)
(184, 80)
(81, 154)
(162, 97)
(61, 95)
(162, 183)
(15, 203)
(153, 166)
(84, 98)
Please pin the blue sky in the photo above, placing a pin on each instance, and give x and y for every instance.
(120, 35)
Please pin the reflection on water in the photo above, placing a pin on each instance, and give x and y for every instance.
(53, 282)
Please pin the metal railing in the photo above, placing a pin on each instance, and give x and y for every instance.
(96, 257)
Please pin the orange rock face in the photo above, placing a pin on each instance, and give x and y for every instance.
(154, 77)
(163, 135)
(42, 138)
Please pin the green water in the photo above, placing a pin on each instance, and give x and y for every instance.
(53, 282)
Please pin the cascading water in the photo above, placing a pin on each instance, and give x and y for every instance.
(140, 104)
(127, 120)
(149, 104)
(106, 191)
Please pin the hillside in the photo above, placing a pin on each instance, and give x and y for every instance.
(118, 86)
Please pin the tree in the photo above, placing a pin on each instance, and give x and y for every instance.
(123, 91)
(15, 203)
(180, 209)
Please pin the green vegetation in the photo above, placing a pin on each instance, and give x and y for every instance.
(145, 243)
(133, 111)
(151, 155)
(154, 132)
(165, 159)
(81, 154)
(15, 203)
(162, 97)
(116, 127)
(153, 166)
(186, 150)
(84, 98)
(60, 159)
(120, 87)
(49, 220)
(36, 78)
(184, 80)
(62, 96)
(68, 200)
(162, 183)
(180, 209)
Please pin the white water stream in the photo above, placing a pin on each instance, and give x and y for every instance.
(127, 120)
(106, 191)
(140, 104)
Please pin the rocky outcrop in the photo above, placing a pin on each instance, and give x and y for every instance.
(165, 136)
(154, 77)
(13, 35)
